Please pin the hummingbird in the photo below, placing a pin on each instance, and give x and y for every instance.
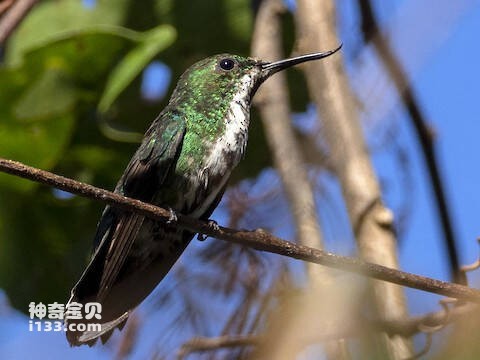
(183, 164)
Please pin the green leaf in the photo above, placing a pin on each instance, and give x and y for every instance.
(131, 66)
(52, 85)
(239, 19)
(40, 108)
(51, 19)
(38, 144)
(73, 53)
(40, 235)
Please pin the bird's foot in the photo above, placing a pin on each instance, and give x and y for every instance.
(212, 224)
(172, 218)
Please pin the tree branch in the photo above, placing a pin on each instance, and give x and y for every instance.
(13, 17)
(425, 135)
(437, 319)
(5, 5)
(208, 344)
(257, 239)
(272, 100)
(407, 327)
(129, 338)
(371, 220)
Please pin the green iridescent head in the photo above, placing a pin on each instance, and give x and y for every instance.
(215, 80)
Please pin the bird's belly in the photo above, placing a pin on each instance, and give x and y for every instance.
(205, 205)
(199, 192)
(189, 196)
(191, 193)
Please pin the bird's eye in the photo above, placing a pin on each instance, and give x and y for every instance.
(227, 64)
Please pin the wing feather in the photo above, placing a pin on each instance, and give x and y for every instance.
(144, 175)
(117, 229)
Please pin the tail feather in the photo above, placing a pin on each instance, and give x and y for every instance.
(154, 252)
(91, 334)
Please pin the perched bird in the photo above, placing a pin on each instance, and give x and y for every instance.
(183, 163)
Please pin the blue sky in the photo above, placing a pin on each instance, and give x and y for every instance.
(446, 78)
(448, 90)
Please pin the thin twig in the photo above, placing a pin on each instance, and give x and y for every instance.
(209, 344)
(13, 17)
(471, 267)
(257, 239)
(428, 324)
(129, 338)
(424, 350)
(434, 320)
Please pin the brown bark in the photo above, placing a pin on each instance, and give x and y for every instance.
(257, 239)
(425, 134)
(15, 14)
(370, 219)
(428, 324)
(273, 102)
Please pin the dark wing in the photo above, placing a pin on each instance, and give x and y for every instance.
(117, 230)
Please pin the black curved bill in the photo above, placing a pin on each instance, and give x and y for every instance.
(273, 67)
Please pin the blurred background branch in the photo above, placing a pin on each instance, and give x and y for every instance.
(424, 132)
(370, 219)
(428, 323)
(329, 175)
(212, 344)
(273, 102)
(258, 239)
(12, 12)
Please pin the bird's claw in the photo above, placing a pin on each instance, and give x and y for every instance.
(172, 217)
(212, 224)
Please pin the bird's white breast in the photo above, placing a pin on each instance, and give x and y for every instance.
(228, 150)
(233, 141)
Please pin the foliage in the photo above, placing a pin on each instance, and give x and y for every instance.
(72, 103)
(73, 78)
